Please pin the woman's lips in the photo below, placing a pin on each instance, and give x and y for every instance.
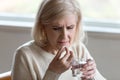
(63, 43)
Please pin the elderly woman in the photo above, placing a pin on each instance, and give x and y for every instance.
(57, 43)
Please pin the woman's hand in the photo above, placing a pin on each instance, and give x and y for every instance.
(61, 64)
(89, 70)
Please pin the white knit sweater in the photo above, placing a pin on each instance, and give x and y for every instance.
(31, 63)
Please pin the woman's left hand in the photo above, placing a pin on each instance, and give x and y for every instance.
(89, 70)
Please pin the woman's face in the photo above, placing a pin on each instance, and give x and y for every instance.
(61, 33)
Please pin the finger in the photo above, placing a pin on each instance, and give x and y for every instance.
(89, 76)
(90, 72)
(67, 54)
(90, 63)
(83, 78)
(59, 53)
(70, 59)
(90, 67)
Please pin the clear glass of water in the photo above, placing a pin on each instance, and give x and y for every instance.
(77, 65)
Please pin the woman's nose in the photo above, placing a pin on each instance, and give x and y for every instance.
(64, 33)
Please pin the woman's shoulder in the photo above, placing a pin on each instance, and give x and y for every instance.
(25, 45)
(25, 48)
(23, 54)
(30, 48)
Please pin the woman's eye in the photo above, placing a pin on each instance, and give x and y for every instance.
(60, 28)
(57, 28)
(70, 27)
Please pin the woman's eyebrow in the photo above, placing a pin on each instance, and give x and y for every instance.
(63, 26)
(71, 25)
(57, 26)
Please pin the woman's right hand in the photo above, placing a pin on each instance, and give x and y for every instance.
(61, 64)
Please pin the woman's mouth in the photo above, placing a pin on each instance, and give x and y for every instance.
(63, 43)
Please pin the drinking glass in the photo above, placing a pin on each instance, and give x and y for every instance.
(77, 65)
